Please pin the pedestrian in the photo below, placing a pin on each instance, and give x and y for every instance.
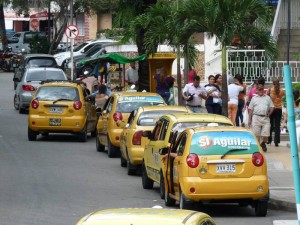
(212, 102)
(101, 97)
(191, 74)
(218, 82)
(260, 108)
(276, 94)
(234, 89)
(163, 84)
(131, 75)
(193, 93)
(252, 91)
(241, 103)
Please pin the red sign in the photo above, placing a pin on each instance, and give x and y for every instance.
(39, 15)
(34, 23)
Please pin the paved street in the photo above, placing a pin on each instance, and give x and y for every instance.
(56, 180)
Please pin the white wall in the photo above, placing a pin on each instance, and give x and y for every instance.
(213, 57)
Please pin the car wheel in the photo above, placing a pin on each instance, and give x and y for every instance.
(183, 204)
(16, 102)
(32, 135)
(83, 134)
(261, 208)
(99, 147)
(147, 183)
(131, 169)
(161, 186)
(112, 150)
(21, 110)
(87, 69)
(168, 200)
(123, 161)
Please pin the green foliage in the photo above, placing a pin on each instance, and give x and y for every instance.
(39, 45)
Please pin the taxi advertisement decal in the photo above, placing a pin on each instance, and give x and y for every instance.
(140, 99)
(211, 143)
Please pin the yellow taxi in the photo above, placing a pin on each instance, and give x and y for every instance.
(60, 107)
(146, 216)
(160, 138)
(118, 107)
(132, 144)
(216, 164)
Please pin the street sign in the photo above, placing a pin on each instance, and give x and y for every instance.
(72, 31)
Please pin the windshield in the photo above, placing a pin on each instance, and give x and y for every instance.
(42, 75)
(56, 93)
(220, 143)
(183, 125)
(93, 50)
(79, 47)
(150, 118)
(129, 103)
(41, 62)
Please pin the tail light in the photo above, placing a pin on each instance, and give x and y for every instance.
(117, 116)
(137, 138)
(35, 104)
(257, 159)
(28, 87)
(77, 105)
(192, 160)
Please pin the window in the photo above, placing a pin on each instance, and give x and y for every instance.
(54, 93)
(80, 23)
(156, 130)
(110, 104)
(164, 130)
(181, 144)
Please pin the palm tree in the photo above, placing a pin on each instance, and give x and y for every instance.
(225, 19)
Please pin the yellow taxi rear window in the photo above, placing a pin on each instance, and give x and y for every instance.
(127, 104)
(55, 93)
(215, 143)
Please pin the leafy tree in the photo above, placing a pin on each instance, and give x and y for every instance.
(225, 19)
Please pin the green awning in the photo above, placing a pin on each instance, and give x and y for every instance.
(113, 58)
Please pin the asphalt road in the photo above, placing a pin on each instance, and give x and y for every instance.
(57, 180)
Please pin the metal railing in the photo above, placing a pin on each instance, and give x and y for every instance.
(252, 64)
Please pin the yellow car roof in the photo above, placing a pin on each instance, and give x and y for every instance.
(136, 94)
(205, 117)
(165, 107)
(138, 216)
(220, 128)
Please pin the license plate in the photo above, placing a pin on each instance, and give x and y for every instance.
(54, 122)
(226, 168)
(55, 110)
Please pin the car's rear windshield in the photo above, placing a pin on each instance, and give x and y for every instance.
(218, 143)
(42, 62)
(179, 127)
(54, 93)
(150, 118)
(42, 75)
(129, 103)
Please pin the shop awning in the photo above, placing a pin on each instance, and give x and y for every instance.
(113, 58)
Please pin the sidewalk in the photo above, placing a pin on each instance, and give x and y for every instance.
(282, 193)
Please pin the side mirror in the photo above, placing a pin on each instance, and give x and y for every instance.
(163, 151)
(127, 125)
(16, 79)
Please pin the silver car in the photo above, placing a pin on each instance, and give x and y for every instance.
(29, 82)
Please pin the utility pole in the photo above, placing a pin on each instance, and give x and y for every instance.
(71, 41)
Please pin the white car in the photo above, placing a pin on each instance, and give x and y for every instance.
(82, 48)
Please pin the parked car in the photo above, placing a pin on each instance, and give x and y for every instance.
(29, 82)
(118, 107)
(64, 110)
(161, 135)
(33, 60)
(150, 216)
(216, 164)
(82, 48)
(132, 144)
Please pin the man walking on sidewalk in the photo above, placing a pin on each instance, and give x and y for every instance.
(260, 109)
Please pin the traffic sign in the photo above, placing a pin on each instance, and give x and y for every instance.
(72, 31)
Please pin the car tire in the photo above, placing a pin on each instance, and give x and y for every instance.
(112, 150)
(162, 186)
(123, 161)
(183, 204)
(87, 68)
(22, 110)
(131, 169)
(147, 182)
(45, 134)
(261, 208)
(32, 135)
(99, 147)
(168, 200)
(83, 134)
(16, 102)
